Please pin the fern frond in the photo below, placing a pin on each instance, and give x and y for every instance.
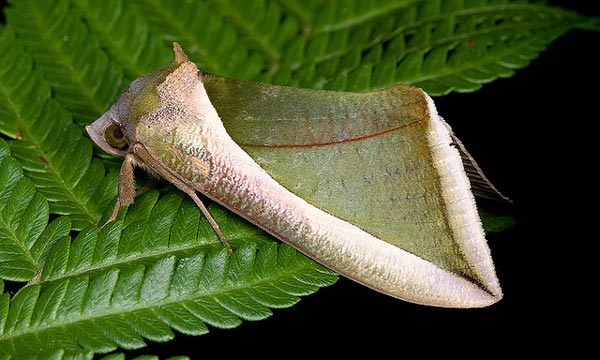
(24, 238)
(138, 51)
(477, 45)
(591, 24)
(441, 46)
(4, 301)
(266, 31)
(153, 226)
(82, 78)
(209, 39)
(61, 354)
(58, 354)
(52, 150)
(111, 299)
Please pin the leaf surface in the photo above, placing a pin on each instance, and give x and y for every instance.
(68, 60)
(54, 154)
(438, 45)
(182, 286)
(82, 77)
(25, 236)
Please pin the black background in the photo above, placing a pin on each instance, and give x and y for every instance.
(535, 136)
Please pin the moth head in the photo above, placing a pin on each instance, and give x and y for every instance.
(115, 130)
(108, 133)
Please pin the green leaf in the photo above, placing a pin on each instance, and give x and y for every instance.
(61, 354)
(25, 238)
(183, 286)
(440, 46)
(495, 223)
(4, 301)
(138, 50)
(214, 41)
(82, 77)
(74, 183)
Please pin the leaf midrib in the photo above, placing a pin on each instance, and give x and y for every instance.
(476, 64)
(366, 17)
(227, 288)
(504, 28)
(38, 146)
(170, 19)
(270, 52)
(67, 61)
(69, 190)
(361, 20)
(146, 255)
(129, 65)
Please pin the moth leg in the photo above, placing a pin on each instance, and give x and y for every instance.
(126, 194)
(143, 154)
(192, 193)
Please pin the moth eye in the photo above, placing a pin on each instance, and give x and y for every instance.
(114, 136)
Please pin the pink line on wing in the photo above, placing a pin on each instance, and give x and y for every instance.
(359, 138)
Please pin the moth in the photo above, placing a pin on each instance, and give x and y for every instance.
(404, 221)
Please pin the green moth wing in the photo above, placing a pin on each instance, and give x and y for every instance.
(368, 158)
(368, 184)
